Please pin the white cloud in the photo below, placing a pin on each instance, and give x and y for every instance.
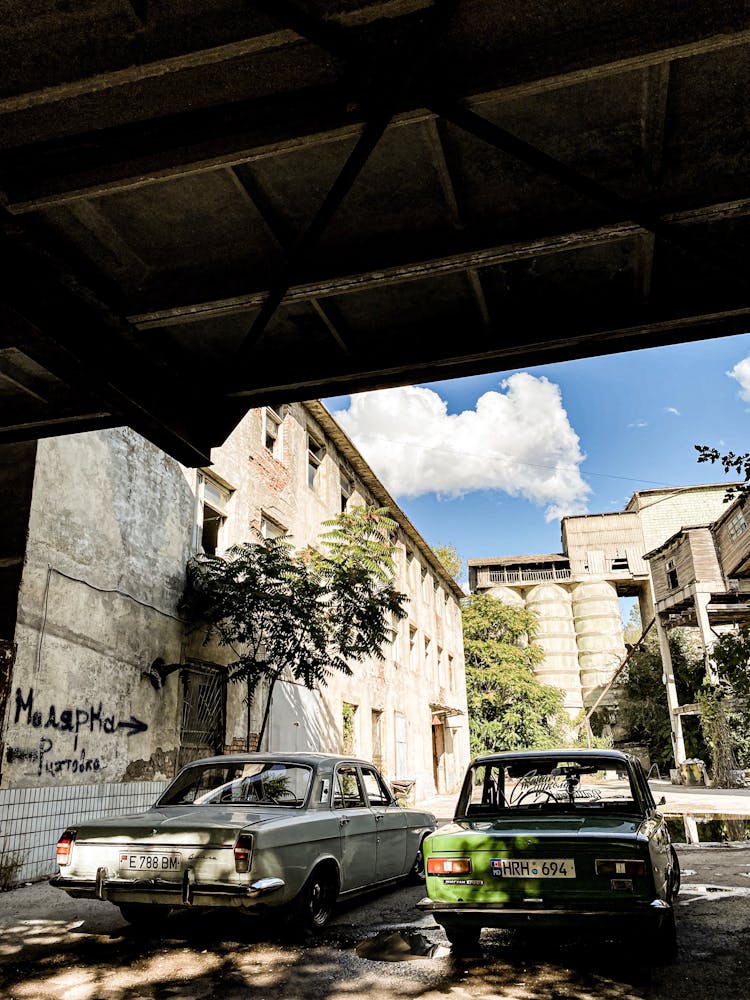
(639, 424)
(741, 372)
(673, 410)
(519, 441)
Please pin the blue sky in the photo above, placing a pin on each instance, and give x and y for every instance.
(580, 436)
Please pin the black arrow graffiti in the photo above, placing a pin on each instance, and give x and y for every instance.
(134, 725)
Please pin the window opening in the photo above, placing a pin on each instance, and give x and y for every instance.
(348, 727)
(315, 455)
(672, 581)
(736, 526)
(347, 489)
(213, 499)
(270, 528)
(377, 738)
(272, 431)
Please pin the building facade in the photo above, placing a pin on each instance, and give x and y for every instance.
(105, 692)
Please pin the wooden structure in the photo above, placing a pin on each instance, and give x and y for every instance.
(210, 205)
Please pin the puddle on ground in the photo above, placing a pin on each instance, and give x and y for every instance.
(400, 946)
(710, 828)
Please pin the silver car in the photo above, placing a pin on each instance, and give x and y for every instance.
(256, 831)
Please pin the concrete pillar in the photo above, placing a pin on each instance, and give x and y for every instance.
(708, 638)
(675, 721)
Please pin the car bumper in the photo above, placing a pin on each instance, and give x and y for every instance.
(653, 913)
(187, 892)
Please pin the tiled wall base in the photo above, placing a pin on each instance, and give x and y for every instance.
(32, 819)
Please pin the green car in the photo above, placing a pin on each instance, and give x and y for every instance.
(558, 838)
(257, 831)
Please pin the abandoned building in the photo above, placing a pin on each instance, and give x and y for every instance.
(701, 580)
(100, 528)
(575, 594)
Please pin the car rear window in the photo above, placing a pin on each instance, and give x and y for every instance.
(549, 784)
(267, 783)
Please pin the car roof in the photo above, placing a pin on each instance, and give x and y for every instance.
(309, 757)
(583, 753)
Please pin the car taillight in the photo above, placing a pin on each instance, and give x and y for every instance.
(449, 866)
(614, 867)
(243, 853)
(65, 847)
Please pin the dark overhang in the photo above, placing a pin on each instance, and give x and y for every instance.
(210, 205)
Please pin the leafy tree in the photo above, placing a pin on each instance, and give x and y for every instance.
(309, 612)
(642, 710)
(508, 707)
(451, 560)
(730, 462)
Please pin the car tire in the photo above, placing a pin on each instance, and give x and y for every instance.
(143, 915)
(416, 874)
(665, 943)
(463, 939)
(312, 907)
(675, 878)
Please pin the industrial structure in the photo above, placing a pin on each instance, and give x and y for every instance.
(575, 594)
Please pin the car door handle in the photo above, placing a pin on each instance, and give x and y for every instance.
(378, 817)
(343, 820)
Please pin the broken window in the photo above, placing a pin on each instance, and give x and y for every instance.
(316, 451)
(672, 581)
(377, 737)
(347, 489)
(412, 647)
(348, 727)
(212, 501)
(620, 563)
(272, 431)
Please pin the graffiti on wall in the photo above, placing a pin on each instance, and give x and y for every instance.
(78, 720)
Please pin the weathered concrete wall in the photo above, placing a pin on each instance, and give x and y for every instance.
(109, 531)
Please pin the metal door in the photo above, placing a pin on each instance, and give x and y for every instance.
(203, 713)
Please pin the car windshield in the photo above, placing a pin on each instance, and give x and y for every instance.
(556, 784)
(272, 783)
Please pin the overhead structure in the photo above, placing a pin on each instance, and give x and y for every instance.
(209, 205)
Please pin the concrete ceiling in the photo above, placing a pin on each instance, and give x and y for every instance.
(209, 205)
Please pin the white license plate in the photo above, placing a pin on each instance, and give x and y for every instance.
(151, 861)
(533, 867)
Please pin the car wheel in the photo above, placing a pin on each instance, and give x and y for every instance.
(313, 906)
(463, 939)
(416, 873)
(145, 915)
(665, 942)
(675, 878)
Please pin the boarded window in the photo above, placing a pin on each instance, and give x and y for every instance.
(736, 526)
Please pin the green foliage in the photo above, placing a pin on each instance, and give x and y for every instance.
(451, 560)
(508, 708)
(731, 654)
(642, 710)
(730, 462)
(310, 613)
